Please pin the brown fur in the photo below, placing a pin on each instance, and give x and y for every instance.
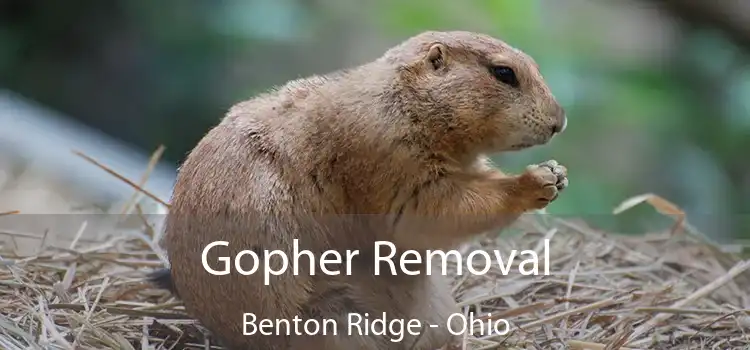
(390, 150)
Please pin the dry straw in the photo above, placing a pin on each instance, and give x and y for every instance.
(663, 290)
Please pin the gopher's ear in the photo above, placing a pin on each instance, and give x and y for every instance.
(436, 57)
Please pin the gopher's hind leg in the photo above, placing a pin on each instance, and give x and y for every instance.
(417, 312)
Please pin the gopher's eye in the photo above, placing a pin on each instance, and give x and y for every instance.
(505, 75)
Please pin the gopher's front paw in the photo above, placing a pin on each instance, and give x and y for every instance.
(542, 183)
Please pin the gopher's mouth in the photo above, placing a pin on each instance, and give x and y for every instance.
(532, 141)
(520, 146)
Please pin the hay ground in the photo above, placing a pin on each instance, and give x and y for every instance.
(660, 291)
(663, 290)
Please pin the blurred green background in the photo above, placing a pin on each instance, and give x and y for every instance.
(656, 91)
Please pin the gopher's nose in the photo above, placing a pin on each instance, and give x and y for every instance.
(560, 127)
(561, 123)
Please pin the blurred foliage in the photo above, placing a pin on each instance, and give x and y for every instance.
(164, 72)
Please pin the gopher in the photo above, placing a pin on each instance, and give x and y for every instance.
(393, 150)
